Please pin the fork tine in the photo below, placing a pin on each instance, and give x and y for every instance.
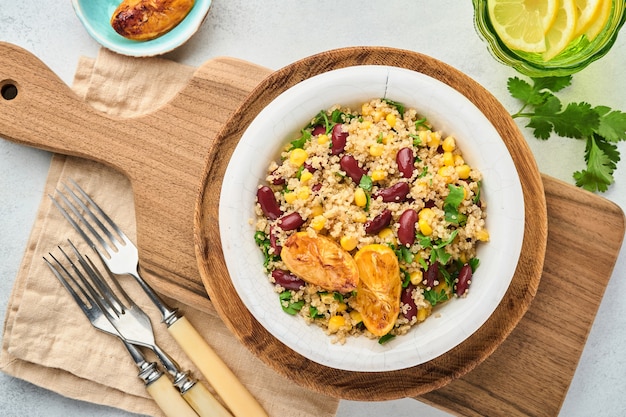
(104, 295)
(66, 284)
(99, 210)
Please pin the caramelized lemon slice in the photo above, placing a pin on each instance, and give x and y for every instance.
(379, 288)
(318, 260)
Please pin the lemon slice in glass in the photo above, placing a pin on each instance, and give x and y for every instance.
(522, 24)
(562, 31)
(587, 12)
(600, 21)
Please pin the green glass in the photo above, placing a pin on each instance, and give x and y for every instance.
(578, 54)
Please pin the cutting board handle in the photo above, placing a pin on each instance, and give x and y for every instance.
(38, 109)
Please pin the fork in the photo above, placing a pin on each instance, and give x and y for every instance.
(134, 326)
(166, 396)
(121, 257)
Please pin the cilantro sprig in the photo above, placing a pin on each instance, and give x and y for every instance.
(600, 126)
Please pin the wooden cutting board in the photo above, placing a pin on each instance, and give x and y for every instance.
(582, 226)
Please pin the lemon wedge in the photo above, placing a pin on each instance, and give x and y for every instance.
(602, 18)
(562, 31)
(523, 24)
(587, 11)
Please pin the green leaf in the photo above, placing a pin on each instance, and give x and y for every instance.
(397, 105)
(301, 141)
(601, 162)
(523, 91)
(366, 183)
(434, 297)
(578, 120)
(386, 338)
(553, 84)
(612, 124)
(314, 313)
(451, 204)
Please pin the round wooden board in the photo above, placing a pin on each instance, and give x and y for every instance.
(369, 386)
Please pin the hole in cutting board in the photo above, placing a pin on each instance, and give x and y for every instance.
(8, 91)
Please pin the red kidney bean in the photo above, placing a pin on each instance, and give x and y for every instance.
(318, 130)
(287, 280)
(394, 194)
(309, 167)
(290, 221)
(316, 187)
(407, 299)
(464, 280)
(277, 180)
(273, 242)
(429, 204)
(406, 229)
(432, 274)
(378, 223)
(269, 205)
(352, 168)
(338, 139)
(405, 159)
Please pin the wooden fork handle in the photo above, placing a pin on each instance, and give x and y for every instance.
(234, 394)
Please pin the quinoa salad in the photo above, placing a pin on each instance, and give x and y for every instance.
(369, 221)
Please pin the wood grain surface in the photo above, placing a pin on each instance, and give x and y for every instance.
(165, 176)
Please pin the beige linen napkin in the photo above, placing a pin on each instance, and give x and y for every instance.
(47, 340)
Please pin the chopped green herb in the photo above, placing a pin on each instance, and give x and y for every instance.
(406, 277)
(434, 297)
(601, 127)
(451, 205)
(338, 296)
(314, 313)
(477, 195)
(290, 308)
(263, 242)
(473, 263)
(416, 139)
(398, 106)
(366, 183)
(386, 338)
(423, 122)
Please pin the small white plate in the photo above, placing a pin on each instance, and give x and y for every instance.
(96, 17)
(449, 111)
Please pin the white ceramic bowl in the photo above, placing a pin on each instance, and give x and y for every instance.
(450, 112)
(95, 15)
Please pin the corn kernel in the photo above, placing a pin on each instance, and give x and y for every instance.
(356, 316)
(377, 149)
(416, 277)
(366, 109)
(379, 175)
(391, 119)
(422, 314)
(297, 157)
(305, 176)
(291, 197)
(458, 160)
(434, 140)
(448, 158)
(341, 307)
(303, 193)
(317, 211)
(378, 115)
(463, 171)
(446, 173)
(359, 217)
(482, 235)
(426, 214)
(348, 242)
(318, 223)
(387, 235)
(323, 139)
(335, 323)
(425, 227)
(448, 144)
(360, 199)
(366, 124)
(388, 138)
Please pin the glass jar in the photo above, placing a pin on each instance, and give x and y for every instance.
(578, 54)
